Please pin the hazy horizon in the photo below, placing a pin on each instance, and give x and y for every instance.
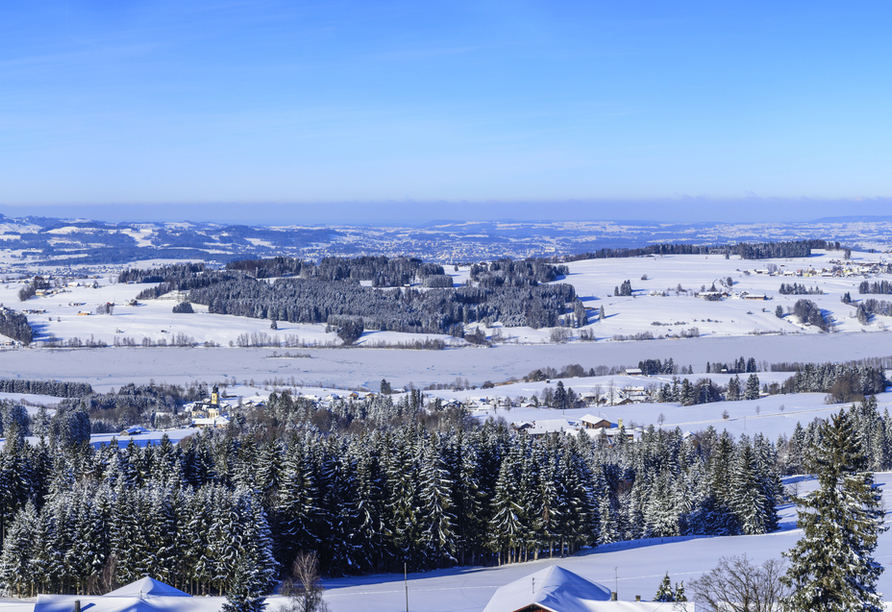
(471, 110)
(690, 211)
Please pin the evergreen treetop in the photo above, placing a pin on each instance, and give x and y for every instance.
(831, 565)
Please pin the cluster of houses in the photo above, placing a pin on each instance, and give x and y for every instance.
(839, 269)
(597, 428)
(209, 413)
(215, 411)
(617, 396)
(739, 295)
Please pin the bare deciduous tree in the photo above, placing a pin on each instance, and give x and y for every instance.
(304, 588)
(736, 585)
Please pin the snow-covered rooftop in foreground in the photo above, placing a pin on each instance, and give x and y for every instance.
(143, 595)
(553, 588)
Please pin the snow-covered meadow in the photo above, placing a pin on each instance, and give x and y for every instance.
(70, 311)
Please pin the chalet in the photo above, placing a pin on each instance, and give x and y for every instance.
(547, 426)
(591, 399)
(633, 372)
(144, 595)
(754, 296)
(635, 394)
(612, 434)
(555, 589)
(593, 422)
(134, 431)
(212, 422)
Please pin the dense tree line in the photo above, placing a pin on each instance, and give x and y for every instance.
(370, 485)
(738, 366)
(329, 292)
(844, 382)
(653, 367)
(382, 271)
(705, 391)
(176, 277)
(653, 249)
(883, 287)
(408, 310)
(882, 363)
(810, 313)
(876, 307)
(765, 250)
(15, 325)
(797, 289)
(400, 486)
(56, 388)
(776, 250)
(523, 273)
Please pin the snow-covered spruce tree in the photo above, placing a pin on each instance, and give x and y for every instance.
(679, 592)
(831, 567)
(664, 591)
(242, 595)
(752, 388)
(748, 501)
(505, 526)
(15, 579)
(437, 518)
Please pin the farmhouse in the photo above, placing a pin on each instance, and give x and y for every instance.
(555, 589)
(144, 595)
(592, 422)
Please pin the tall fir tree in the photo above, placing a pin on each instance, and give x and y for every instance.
(831, 566)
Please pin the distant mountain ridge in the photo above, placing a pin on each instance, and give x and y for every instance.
(80, 241)
(856, 219)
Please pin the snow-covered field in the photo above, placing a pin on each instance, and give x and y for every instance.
(71, 312)
(359, 367)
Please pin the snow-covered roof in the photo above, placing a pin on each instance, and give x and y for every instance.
(553, 588)
(551, 425)
(147, 587)
(144, 595)
(219, 421)
(590, 418)
(559, 590)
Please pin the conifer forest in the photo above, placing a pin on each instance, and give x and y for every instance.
(369, 485)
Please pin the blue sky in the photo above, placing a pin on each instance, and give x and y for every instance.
(335, 110)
